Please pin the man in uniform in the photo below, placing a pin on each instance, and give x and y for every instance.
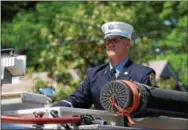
(117, 40)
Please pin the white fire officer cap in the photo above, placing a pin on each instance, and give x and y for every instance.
(111, 29)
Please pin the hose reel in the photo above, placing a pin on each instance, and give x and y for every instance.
(121, 93)
(131, 98)
(120, 96)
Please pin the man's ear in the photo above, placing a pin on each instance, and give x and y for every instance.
(129, 43)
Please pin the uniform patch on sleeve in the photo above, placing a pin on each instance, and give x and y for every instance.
(152, 79)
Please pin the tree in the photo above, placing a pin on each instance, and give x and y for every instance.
(61, 35)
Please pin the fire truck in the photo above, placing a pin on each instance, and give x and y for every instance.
(128, 106)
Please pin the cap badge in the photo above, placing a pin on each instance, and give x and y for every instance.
(110, 27)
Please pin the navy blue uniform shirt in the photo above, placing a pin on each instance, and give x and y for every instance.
(89, 91)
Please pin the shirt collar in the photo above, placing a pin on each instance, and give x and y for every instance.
(119, 67)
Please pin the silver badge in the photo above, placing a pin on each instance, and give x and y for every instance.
(110, 27)
(126, 73)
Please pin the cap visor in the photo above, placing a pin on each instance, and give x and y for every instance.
(112, 35)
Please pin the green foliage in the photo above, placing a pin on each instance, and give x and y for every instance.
(167, 83)
(63, 91)
(143, 50)
(66, 35)
(38, 83)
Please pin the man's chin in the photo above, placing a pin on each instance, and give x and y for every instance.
(111, 53)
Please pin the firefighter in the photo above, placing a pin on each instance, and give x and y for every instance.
(117, 40)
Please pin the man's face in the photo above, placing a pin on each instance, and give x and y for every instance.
(117, 46)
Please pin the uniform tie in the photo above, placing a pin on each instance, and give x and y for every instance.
(113, 73)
